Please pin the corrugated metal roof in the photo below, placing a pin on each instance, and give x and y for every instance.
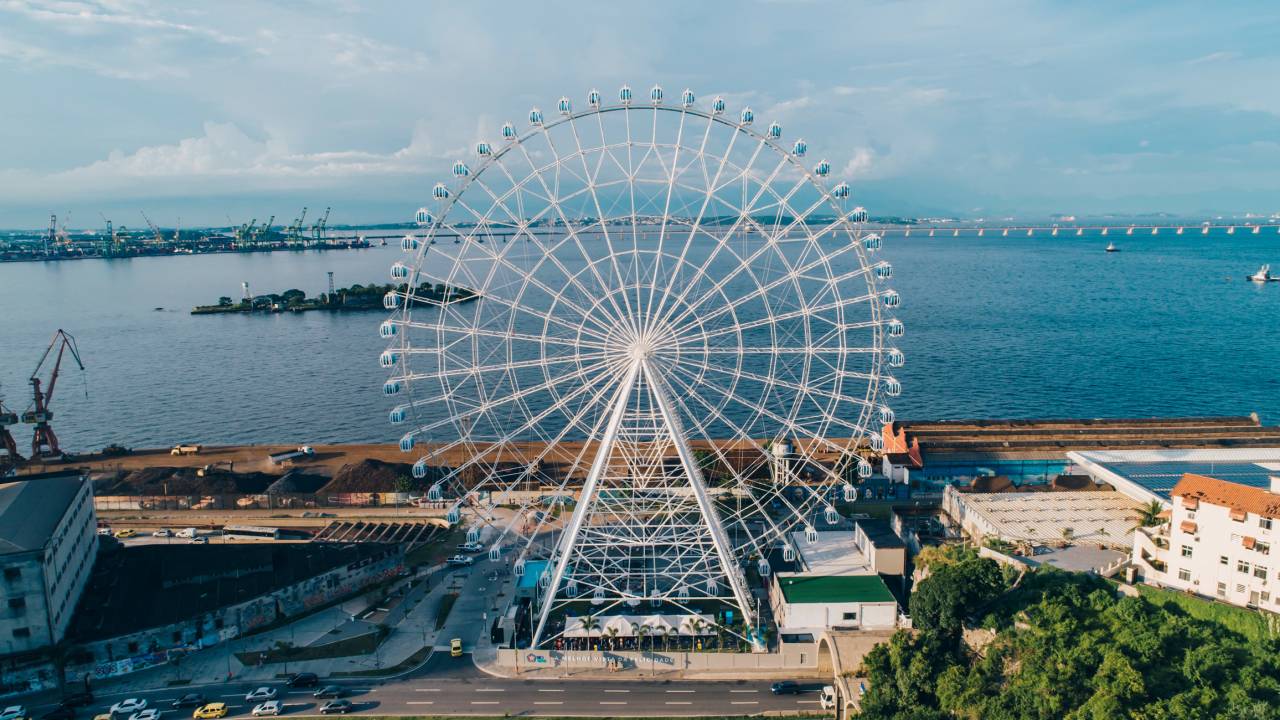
(31, 509)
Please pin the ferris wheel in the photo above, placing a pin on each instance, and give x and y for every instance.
(644, 345)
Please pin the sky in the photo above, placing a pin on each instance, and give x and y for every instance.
(196, 112)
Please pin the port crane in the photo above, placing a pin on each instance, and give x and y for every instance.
(154, 230)
(44, 443)
(7, 443)
(317, 230)
(295, 229)
(264, 230)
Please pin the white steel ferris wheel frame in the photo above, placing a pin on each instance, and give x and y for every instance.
(639, 518)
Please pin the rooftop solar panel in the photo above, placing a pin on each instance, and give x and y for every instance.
(1160, 477)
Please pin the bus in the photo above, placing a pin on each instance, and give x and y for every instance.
(251, 532)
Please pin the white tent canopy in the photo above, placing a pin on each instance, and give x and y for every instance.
(628, 625)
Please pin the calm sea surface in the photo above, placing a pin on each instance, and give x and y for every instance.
(996, 328)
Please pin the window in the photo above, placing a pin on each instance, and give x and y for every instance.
(850, 616)
(1265, 595)
(1184, 574)
(1222, 560)
(22, 632)
(133, 648)
(1222, 589)
(1262, 548)
(1242, 566)
(12, 573)
(1264, 523)
(1260, 571)
(1187, 550)
(17, 603)
(1239, 588)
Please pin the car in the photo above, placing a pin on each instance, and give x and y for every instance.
(78, 699)
(455, 647)
(104, 531)
(148, 714)
(303, 679)
(61, 712)
(162, 532)
(103, 716)
(262, 693)
(329, 692)
(342, 707)
(189, 700)
(785, 687)
(210, 711)
(471, 547)
(199, 540)
(270, 707)
(128, 707)
(460, 561)
(13, 712)
(126, 533)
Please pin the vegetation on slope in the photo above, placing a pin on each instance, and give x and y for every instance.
(1065, 646)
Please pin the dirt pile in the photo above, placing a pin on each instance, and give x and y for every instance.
(370, 476)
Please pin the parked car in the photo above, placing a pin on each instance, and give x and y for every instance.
(189, 700)
(828, 697)
(460, 561)
(78, 699)
(61, 712)
(13, 712)
(128, 707)
(262, 693)
(786, 687)
(455, 647)
(199, 540)
(329, 692)
(270, 707)
(341, 707)
(210, 711)
(162, 532)
(471, 547)
(126, 533)
(148, 714)
(303, 679)
(104, 532)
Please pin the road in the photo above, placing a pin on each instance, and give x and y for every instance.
(453, 686)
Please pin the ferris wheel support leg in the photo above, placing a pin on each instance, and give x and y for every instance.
(658, 388)
(569, 537)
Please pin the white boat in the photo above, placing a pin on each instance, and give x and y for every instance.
(1263, 275)
(1111, 247)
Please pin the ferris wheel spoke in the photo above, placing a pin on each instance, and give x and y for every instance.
(780, 382)
(803, 312)
(506, 335)
(504, 367)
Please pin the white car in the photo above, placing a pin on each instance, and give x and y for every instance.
(128, 707)
(148, 714)
(459, 561)
(199, 540)
(162, 532)
(262, 693)
(13, 712)
(270, 707)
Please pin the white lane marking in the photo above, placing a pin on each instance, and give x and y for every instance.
(420, 702)
(491, 690)
(548, 690)
(606, 702)
(617, 691)
(426, 689)
(744, 702)
(808, 702)
(677, 703)
(484, 702)
(744, 691)
(551, 702)
(682, 691)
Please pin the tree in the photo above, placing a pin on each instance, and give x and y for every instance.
(1149, 515)
(942, 600)
(224, 301)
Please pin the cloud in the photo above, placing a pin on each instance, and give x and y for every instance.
(860, 165)
(1214, 57)
(98, 17)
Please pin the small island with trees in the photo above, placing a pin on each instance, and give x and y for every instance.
(356, 297)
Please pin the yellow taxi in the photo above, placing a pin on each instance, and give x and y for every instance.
(126, 533)
(104, 716)
(212, 710)
(455, 647)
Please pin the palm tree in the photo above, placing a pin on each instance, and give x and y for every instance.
(590, 623)
(1149, 515)
(642, 632)
(697, 626)
(667, 635)
(613, 638)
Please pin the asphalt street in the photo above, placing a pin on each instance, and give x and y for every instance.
(453, 686)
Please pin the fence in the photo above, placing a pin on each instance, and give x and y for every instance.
(259, 502)
(798, 656)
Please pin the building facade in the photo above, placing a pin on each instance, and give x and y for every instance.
(48, 542)
(812, 603)
(1222, 541)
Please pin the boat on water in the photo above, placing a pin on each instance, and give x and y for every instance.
(1111, 247)
(1263, 275)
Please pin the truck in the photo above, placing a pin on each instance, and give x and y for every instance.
(281, 458)
(185, 450)
(828, 697)
(187, 533)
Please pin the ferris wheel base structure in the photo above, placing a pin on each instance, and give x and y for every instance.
(675, 309)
